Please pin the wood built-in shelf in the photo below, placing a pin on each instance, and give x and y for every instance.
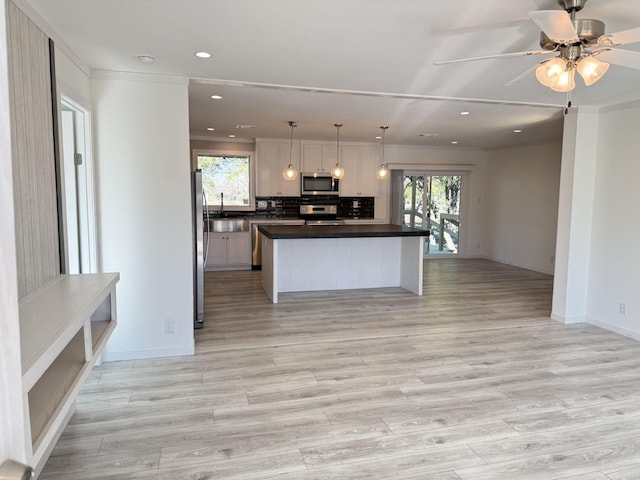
(64, 327)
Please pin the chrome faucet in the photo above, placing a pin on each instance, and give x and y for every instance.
(221, 204)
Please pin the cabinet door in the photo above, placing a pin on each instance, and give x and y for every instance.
(329, 156)
(286, 154)
(319, 157)
(272, 159)
(369, 161)
(217, 252)
(266, 154)
(239, 248)
(359, 171)
(350, 183)
(312, 157)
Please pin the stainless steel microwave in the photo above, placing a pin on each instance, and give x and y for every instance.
(319, 183)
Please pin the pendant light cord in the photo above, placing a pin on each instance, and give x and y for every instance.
(292, 125)
(338, 125)
(384, 129)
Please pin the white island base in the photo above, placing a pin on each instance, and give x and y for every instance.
(310, 264)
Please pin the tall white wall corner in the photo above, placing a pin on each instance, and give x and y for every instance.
(575, 215)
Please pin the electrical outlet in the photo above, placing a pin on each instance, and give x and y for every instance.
(623, 308)
(169, 326)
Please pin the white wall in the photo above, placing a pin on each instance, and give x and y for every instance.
(521, 205)
(470, 163)
(615, 254)
(12, 431)
(144, 203)
(72, 81)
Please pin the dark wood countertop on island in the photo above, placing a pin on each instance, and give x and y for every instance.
(277, 232)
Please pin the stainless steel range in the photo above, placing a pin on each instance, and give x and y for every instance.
(320, 214)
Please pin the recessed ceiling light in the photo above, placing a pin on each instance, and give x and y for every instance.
(465, 113)
(517, 130)
(145, 58)
(378, 138)
(216, 97)
(211, 129)
(454, 143)
(202, 54)
(232, 136)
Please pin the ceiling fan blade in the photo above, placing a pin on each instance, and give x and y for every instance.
(620, 38)
(500, 55)
(557, 25)
(617, 56)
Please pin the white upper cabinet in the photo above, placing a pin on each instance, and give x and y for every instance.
(318, 157)
(360, 162)
(271, 159)
(360, 165)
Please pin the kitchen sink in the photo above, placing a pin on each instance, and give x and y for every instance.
(229, 225)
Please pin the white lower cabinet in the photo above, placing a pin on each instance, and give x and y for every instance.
(229, 250)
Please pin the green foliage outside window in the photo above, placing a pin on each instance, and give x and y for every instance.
(228, 175)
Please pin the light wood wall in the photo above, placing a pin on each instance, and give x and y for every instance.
(34, 175)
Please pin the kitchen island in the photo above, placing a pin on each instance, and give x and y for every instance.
(301, 258)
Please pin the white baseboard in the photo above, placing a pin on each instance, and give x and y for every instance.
(144, 354)
(548, 271)
(568, 320)
(614, 328)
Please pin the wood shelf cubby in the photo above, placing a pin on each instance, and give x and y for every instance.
(64, 327)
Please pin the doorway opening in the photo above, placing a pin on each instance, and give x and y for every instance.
(432, 202)
(78, 185)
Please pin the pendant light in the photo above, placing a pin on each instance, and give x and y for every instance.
(290, 173)
(338, 171)
(383, 172)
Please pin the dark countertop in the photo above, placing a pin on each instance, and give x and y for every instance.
(276, 232)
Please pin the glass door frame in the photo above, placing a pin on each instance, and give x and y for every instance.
(428, 172)
(79, 215)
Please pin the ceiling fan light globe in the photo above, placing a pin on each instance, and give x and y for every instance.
(549, 72)
(565, 82)
(591, 70)
(556, 75)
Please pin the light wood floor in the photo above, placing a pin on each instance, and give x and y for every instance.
(470, 381)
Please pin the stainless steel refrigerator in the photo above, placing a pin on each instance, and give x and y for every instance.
(200, 246)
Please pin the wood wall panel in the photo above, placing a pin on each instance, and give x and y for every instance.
(34, 174)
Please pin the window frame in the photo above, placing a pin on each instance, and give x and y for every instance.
(232, 153)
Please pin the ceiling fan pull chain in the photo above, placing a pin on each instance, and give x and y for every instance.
(566, 110)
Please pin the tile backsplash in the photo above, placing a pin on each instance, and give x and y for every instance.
(348, 207)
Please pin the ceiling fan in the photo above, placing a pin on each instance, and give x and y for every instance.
(581, 45)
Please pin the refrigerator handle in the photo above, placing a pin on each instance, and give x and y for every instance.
(206, 209)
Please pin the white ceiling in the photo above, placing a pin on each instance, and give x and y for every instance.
(363, 63)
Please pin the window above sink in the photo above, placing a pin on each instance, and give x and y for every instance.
(227, 180)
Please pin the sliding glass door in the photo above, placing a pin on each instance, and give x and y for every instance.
(432, 202)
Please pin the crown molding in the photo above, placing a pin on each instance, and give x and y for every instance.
(36, 18)
(99, 74)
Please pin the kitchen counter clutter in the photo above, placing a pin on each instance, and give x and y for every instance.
(308, 258)
(64, 327)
